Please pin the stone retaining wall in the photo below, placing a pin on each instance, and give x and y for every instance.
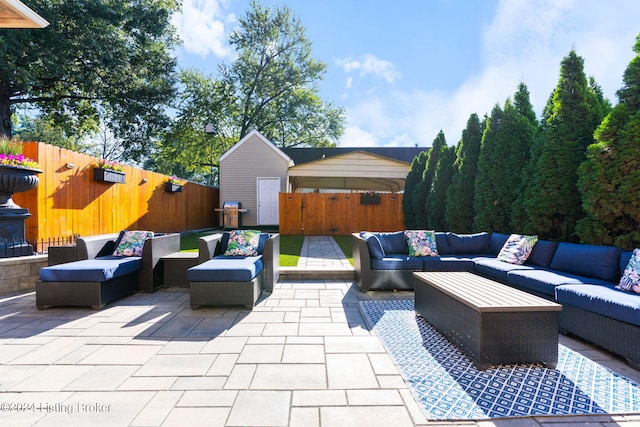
(20, 274)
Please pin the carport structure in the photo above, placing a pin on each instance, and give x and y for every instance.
(355, 171)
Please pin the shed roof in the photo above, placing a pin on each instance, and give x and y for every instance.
(263, 138)
(355, 170)
(15, 14)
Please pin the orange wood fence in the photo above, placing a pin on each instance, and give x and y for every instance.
(317, 214)
(68, 201)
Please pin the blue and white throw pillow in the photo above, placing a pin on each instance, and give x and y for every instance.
(517, 249)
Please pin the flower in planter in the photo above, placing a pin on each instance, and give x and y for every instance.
(175, 181)
(11, 155)
(108, 164)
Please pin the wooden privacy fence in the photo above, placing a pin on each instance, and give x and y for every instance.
(68, 201)
(317, 214)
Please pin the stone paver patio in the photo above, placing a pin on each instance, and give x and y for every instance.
(302, 357)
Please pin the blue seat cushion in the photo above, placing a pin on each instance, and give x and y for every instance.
(373, 244)
(542, 253)
(227, 269)
(495, 269)
(496, 242)
(394, 243)
(442, 243)
(599, 262)
(98, 269)
(545, 281)
(447, 263)
(476, 244)
(397, 262)
(605, 300)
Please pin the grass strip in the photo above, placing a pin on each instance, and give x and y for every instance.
(290, 248)
(344, 242)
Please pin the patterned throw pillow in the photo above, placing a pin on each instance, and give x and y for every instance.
(630, 280)
(243, 243)
(131, 243)
(517, 248)
(421, 243)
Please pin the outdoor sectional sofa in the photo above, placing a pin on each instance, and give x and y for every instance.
(581, 277)
(98, 277)
(225, 280)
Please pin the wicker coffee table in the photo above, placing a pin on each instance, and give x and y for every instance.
(491, 322)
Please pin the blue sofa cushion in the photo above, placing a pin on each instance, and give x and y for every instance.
(397, 262)
(227, 269)
(477, 243)
(394, 243)
(98, 269)
(598, 262)
(442, 243)
(374, 245)
(496, 242)
(545, 281)
(542, 253)
(605, 300)
(447, 263)
(495, 269)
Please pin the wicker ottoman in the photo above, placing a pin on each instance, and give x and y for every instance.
(491, 322)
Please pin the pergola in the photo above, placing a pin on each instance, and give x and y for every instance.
(14, 14)
(358, 171)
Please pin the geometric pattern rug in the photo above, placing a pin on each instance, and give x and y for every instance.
(447, 385)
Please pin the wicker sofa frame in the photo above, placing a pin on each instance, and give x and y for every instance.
(614, 335)
(97, 294)
(214, 293)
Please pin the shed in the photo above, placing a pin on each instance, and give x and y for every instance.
(254, 172)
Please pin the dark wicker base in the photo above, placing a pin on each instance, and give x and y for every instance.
(489, 338)
(618, 337)
(226, 293)
(93, 294)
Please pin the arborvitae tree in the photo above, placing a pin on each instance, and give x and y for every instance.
(524, 134)
(554, 205)
(459, 210)
(423, 189)
(441, 182)
(609, 179)
(413, 179)
(490, 166)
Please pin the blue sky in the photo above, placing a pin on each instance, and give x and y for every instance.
(406, 69)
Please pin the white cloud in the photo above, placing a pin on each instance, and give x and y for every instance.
(203, 27)
(525, 42)
(370, 65)
(355, 137)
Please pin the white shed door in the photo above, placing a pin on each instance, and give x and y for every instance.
(268, 206)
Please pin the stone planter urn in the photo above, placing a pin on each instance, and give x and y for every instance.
(14, 179)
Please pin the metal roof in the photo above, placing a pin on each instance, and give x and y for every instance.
(305, 155)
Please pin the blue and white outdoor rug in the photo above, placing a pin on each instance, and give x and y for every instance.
(449, 387)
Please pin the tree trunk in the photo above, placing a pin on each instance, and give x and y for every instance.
(5, 114)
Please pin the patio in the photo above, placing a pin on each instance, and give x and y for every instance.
(304, 356)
